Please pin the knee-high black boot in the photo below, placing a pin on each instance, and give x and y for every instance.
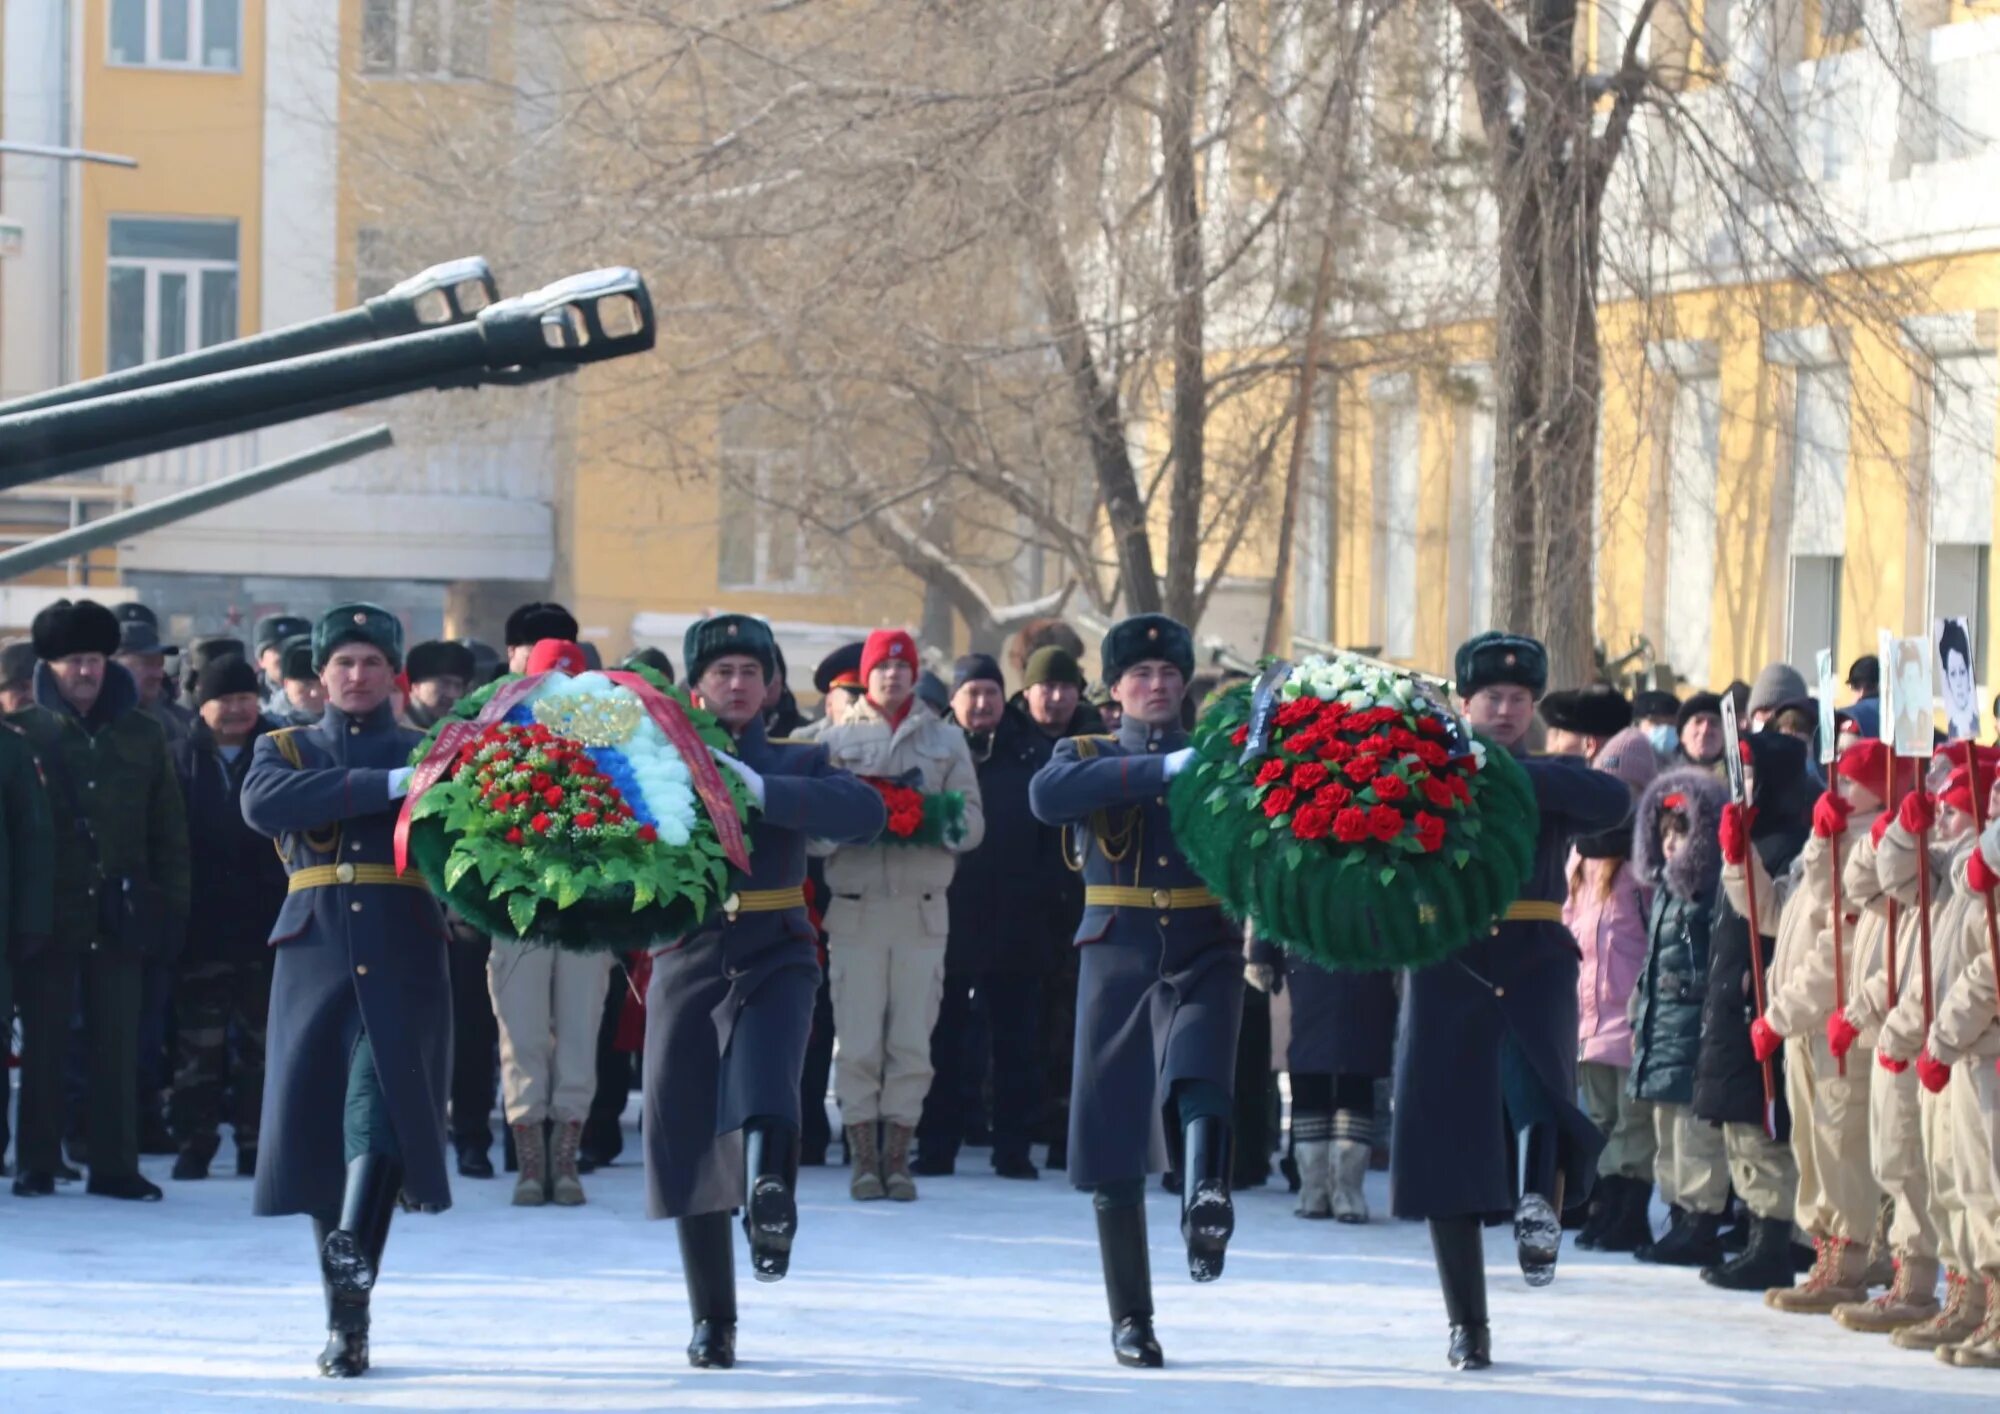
(1460, 1249)
(1128, 1283)
(1538, 1214)
(350, 1259)
(770, 1212)
(708, 1265)
(1208, 1218)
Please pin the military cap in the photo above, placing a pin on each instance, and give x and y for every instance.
(17, 662)
(357, 623)
(1052, 664)
(439, 658)
(531, 623)
(274, 629)
(84, 626)
(1494, 658)
(725, 634)
(1145, 638)
(840, 668)
(133, 612)
(654, 658)
(139, 636)
(297, 659)
(1598, 710)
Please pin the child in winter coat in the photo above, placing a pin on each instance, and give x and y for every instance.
(1606, 914)
(1674, 849)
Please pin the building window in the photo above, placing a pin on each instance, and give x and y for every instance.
(760, 544)
(1396, 449)
(1694, 454)
(1819, 513)
(1312, 536)
(1965, 389)
(172, 288)
(425, 38)
(1471, 552)
(374, 264)
(177, 34)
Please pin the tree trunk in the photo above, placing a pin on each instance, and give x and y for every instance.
(1182, 61)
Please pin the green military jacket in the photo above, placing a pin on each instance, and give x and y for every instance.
(120, 777)
(27, 851)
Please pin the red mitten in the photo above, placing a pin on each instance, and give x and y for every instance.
(1932, 1073)
(1890, 1064)
(1734, 834)
(1830, 815)
(1881, 826)
(1841, 1034)
(1979, 875)
(1763, 1040)
(1919, 811)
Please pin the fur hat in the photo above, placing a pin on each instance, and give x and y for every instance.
(357, 623)
(531, 623)
(1648, 705)
(296, 660)
(1043, 633)
(84, 626)
(439, 658)
(1598, 710)
(1697, 870)
(273, 629)
(1146, 638)
(1493, 658)
(223, 676)
(725, 634)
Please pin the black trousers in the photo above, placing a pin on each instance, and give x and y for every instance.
(46, 989)
(815, 1133)
(475, 1041)
(1010, 1006)
(603, 1130)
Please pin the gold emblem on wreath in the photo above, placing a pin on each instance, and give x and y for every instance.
(594, 721)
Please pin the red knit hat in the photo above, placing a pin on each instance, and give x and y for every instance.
(1957, 792)
(885, 644)
(557, 655)
(1866, 763)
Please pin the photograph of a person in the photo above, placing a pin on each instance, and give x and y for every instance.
(1961, 694)
(1915, 715)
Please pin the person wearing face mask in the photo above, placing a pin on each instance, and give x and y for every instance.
(888, 916)
(223, 975)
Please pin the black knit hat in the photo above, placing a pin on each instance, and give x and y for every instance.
(64, 628)
(274, 629)
(1598, 710)
(357, 623)
(1653, 703)
(709, 639)
(531, 623)
(224, 676)
(439, 658)
(1144, 638)
(976, 667)
(844, 661)
(1490, 659)
(296, 660)
(1052, 664)
(1702, 704)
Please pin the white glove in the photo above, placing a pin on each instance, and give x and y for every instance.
(399, 782)
(752, 782)
(1176, 761)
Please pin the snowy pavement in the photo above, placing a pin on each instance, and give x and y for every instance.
(983, 1296)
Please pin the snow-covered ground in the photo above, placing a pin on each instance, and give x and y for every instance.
(982, 1296)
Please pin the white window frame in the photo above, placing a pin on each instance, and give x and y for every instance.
(447, 11)
(154, 268)
(1398, 476)
(761, 475)
(1694, 466)
(197, 25)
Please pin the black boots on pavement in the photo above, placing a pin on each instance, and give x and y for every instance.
(770, 1211)
(1128, 1285)
(1765, 1264)
(350, 1259)
(1538, 1214)
(1460, 1248)
(708, 1265)
(1620, 1219)
(1208, 1218)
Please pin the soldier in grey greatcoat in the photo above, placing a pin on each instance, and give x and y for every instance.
(1159, 983)
(358, 1049)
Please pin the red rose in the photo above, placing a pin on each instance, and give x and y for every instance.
(1279, 801)
(1385, 822)
(553, 796)
(1390, 788)
(1309, 776)
(1332, 711)
(542, 781)
(1335, 750)
(1379, 744)
(1298, 711)
(1462, 788)
(648, 834)
(586, 820)
(1361, 769)
(1431, 754)
(1439, 793)
(1430, 831)
(1241, 736)
(1430, 726)
(1313, 823)
(514, 835)
(1270, 771)
(1403, 739)
(1332, 795)
(905, 823)
(1351, 826)
(540, 824)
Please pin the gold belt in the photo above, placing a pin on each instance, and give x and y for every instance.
(322, 876)
(764, 901)
(1121, 896)
(1534, 910)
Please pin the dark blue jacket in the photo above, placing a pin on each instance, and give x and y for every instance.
(239, 880)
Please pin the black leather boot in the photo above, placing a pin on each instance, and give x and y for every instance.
(1538, 1215)
(350, 1260)
(1765, 1263)
(770, 1212)
(708, 1265)
(1208, 1218)
(1460, 1248)
(1691, 1240)
(1128, 1286)
(1631, 1220)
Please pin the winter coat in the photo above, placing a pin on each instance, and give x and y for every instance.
(1803, 979)
(1610, 932)
(1673, 981)
(1866, 942)
(112, 771)
(239, 880)
(1008, 898)
(1967, 1026)
(27, 854)
(930, 755)
(1952, 905)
